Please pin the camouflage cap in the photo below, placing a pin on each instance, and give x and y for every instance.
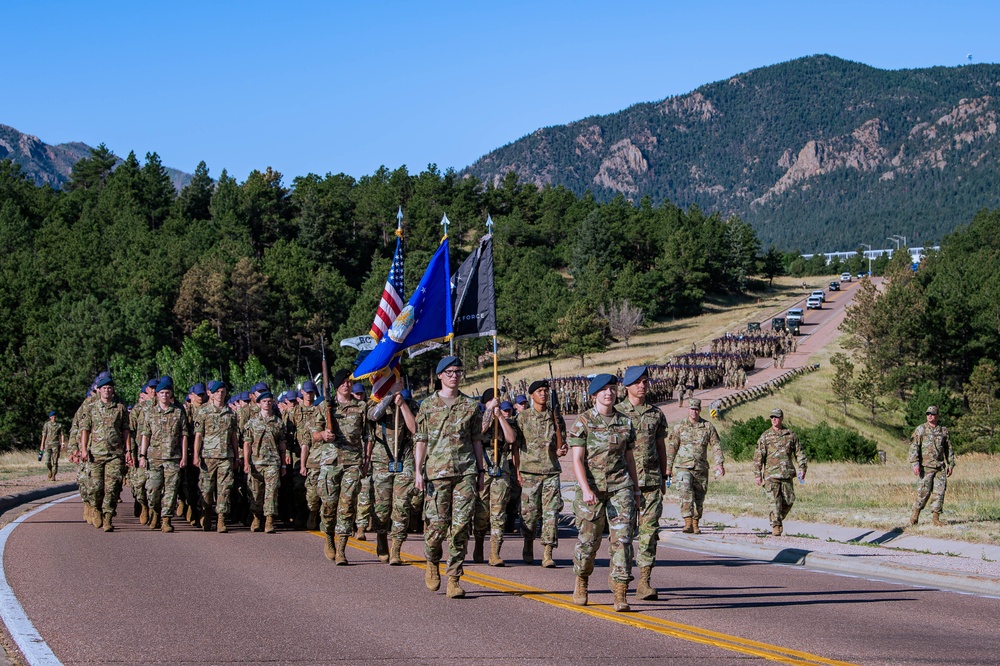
(777, 414)
(932, 410)
(694, 403)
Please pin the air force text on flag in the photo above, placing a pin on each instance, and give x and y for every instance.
(475, 301)
(426, 317)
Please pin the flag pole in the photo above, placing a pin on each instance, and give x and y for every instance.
(496, 375)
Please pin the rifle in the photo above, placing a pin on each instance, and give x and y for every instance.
(328, 406)
(554, 404)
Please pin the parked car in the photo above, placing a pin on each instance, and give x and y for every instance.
(834, 286)
(846, 277)
(820, 294)
(814, 303)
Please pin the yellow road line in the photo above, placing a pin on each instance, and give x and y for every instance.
(639, 620)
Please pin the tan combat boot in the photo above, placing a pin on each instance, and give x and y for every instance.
(144, 514)
(181, 508)
(477, 549)
(432, 576)
(221, 528)
(455, 590)
(166, 527)
(313, 520)
(341, 550)
(528, 550)
(269, 525)
(191, 515)
(580, 591)
(255, 525)
(330, 548)
(644, 590)
(154, 520)
(936, 519)
(359, 533)
(621, 603)
(688, 525)
(395, 557)
(694, 526)
(776, 530)
(106, 523)
(547, 560)
(495, 559)
(382, 546)
(86, 512)
(915, 518)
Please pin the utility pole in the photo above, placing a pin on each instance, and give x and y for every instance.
(869, 256)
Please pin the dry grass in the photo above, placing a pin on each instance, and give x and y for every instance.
(15, 464)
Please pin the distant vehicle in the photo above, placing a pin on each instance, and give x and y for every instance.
(861, 275)
(794, 315)
(820, 294)
(793, 326)
(834, 286)
(753, 326)
(846, 277)
(814, 303)
(778, 324)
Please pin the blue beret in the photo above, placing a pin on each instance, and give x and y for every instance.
(634, 374)
(358, 388)
(52, 413)
(309, 387)
(407, 394)
(600, 381)
(231, 400)
(292, 395)
(103, 375)
(446, 363)
(151, 384)
(506, 406)
(263, 395)
(260, 386)
(198, 389)
(521, 399)
(165, 383)
(215, 385)
(103, 379)
(245, 396)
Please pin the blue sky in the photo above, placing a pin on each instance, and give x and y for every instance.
(345, 87)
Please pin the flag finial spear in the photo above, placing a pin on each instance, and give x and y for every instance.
(489, 223)
(399, 222)
(444, 223)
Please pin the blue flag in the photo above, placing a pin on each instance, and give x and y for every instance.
(427, 316)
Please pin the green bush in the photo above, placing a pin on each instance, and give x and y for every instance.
(927, 394)
(740, 441)
(824, 443)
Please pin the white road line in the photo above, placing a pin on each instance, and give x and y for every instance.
(35, 650)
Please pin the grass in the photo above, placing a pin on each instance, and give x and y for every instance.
(15, 464)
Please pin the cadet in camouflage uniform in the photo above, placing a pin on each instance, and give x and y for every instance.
(104, 438)
(52, 436)
(301, 419)
(650, 455)
(215, 444)
(265, 460)
(536, 461)
(602, 441)
(687, 448)
(933, 459)
(774, 461)
(90, 515)
(189, 490)
(163, 451)
(363, 504)
(137, 476)
(449, 468)
(491, 502)
(392, 488)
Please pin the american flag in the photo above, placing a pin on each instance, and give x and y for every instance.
(388, 309)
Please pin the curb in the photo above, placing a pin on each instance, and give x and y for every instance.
(8, 502)
(843, 564)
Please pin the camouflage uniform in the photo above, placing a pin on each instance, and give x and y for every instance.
(165, 429)
(107, 424)
(363, 505)
(137, 476)
(650, 426)
(774, 462)
(215, 482)
(539, 466)
(449, 474)
(340, 465)
(931, 449)
(687, 447)
(491, 504)
(302, 420)
(393, 492)
(83, 474)
(189, 487)
(605, 440)
(266, 436)
(51, 443)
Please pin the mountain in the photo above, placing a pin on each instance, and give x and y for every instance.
(818, 154)
(52, 165)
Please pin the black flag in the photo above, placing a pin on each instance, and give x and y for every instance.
(473, 297)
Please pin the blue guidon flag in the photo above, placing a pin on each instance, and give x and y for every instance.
(426, 317)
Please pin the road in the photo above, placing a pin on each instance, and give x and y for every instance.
(136, 596)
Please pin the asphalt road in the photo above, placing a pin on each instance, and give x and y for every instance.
(136, 596)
